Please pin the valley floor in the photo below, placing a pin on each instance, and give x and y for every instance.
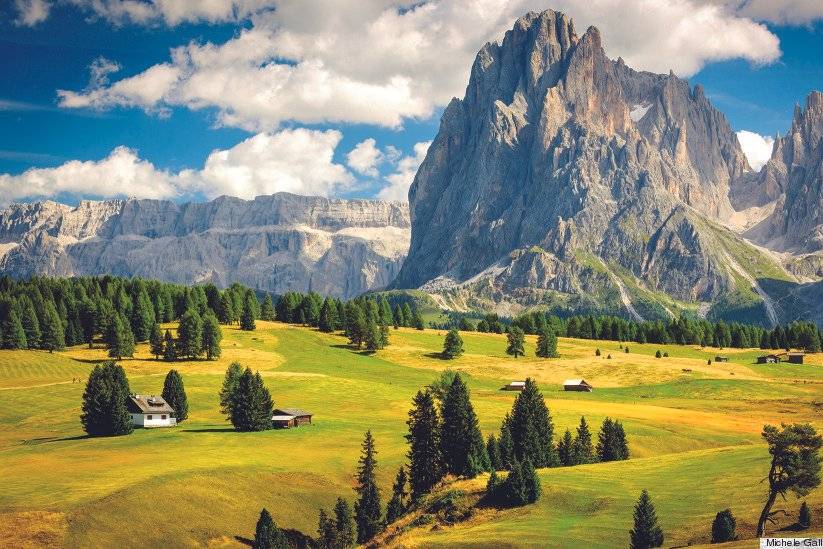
(693, 428)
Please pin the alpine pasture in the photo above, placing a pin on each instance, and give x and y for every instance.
(693, 429)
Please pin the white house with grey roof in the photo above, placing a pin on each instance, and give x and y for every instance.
(150, 411)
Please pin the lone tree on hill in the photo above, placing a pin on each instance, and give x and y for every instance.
(646, 532)
(452, 345)
(267, 535)
(367, 511)
(251, 404)
(104, 402)
(516, 339)
(795, 465)
(464, 452)
(547, 344)
(175, 395)
(723, 527)
(425, 455)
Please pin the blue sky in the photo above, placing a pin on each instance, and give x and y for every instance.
(285, 91)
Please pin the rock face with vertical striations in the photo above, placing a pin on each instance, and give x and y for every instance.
(274, 243)
(564, 178)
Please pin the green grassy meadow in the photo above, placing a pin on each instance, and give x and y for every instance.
(693, 428)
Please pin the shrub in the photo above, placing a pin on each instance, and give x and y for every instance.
(723, 527)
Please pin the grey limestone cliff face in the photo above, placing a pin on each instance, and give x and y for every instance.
(559, 158)
(274, 243)
(792, 183)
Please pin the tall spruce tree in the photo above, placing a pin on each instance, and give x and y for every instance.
(452, 345)
(267, 535)
(31, 325)
(226, 313)
(267, 308)
(425, 456)
(611, 443)
(344, 523)
(326, 531)
(516, 342)
(565, 452)
(53, 338)
(367, 509)
(547, 344)
(251, 404)
(120, 339)
(104, 411)
(247, 316)
(227, 390)
(397, 505)
(328, 316)
(583, 448)
(531, 427)
(156, 344)
(461, 442)
(646, 532)
(399, 320)
(493, 451)
(374, 339)
(142, 315)
(190, 334)
(13, 335)
(175, 395)
(169, 347)
(505, 445)
(212, 335)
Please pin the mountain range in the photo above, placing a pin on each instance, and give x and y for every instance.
(562, 180)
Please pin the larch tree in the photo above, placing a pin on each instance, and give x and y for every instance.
(53, 336)
(547, 344)
(367, 509)
(120, 338)
(247, 316)
(425, 456)
(190, 334)
(212, 335)
(516, 342)
(31, 325)
(13, 335)
(175, 395)
(452, 345)
(157, 346)
(169, 347)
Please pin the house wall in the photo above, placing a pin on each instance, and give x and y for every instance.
(142, 420)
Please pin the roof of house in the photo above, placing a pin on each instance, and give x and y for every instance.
(277, 417)
(575, 382)
(518, 383)
(148, 404)
(290, 412)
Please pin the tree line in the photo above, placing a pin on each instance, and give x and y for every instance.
(683, 330)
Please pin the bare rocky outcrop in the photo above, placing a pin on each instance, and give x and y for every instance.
(562, 169)
(274, 243)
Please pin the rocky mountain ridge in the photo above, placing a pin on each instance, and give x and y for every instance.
(273, 243)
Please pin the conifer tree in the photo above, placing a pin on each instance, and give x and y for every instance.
(804, 516)
(142, 315)
(416, 320)
(396, 507)
(565, 453)
(367, 509)
(53, 338)
(251, 403)
(505, 444)
(514, 487)
(120, 338)
(547, 344)
(326, 531)
(226, 313)
(104, 409)
(169, 347)
(493, 451)
(190, 335)
(373, 338)
(14, 337)
(516, 342)
(425, 457)
(646, 532)
(267, 535)
(531, 481)
(31, 325)
(328, 316)
(212, 335)
(356, 324)
(156, 344)
(531, 427)
(408, 317)
(461, 442)
(399, 320)
(175, 395)
(247, 316)
(267, 308)
(611, 443)
(583, 448)
(344, 523)
(452, 345)
(723, 527)
(385, 312)
(230, 381)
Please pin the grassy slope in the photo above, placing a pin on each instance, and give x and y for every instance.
(694, 435)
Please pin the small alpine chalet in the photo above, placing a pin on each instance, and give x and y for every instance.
(150, 411)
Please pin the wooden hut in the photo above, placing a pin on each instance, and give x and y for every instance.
(720, 358)
(286, 418)
(768, 359)
(515, 386)
(796, 358)
(577, 385)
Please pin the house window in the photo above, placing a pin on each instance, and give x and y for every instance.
(163, 416)
(148, 417)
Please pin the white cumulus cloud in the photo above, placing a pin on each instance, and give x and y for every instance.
(294, 160)
(399, 181)
(365, 157)
(756, 147)
(31, 12)
(381, 61)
